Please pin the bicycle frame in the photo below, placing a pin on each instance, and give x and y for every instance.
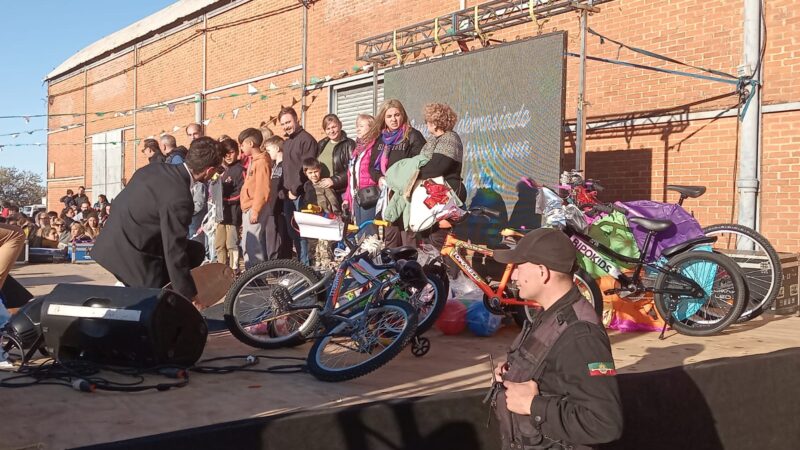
(599, 255)
(452, 249)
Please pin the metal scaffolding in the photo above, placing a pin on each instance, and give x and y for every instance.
(476, 23)
(469, 23)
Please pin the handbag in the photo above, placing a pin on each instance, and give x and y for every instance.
(368, 197)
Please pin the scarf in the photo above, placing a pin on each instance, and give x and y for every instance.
(390, 140)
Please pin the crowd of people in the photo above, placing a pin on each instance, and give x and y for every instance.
(79, 221)
(265, 178)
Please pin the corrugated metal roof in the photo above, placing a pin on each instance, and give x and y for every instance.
(170, 15)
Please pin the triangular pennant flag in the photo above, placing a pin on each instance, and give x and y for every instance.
(235, 112)
(234, 95)
(271, 119)
(150, 137)
(100, 114)
(328, 78)
(272, 86)
(27, 119)
(264, 97)
(176, 128)
(343, 73)
(417, 53)
(171, 107)
(295, 101)
(63, 128)
(206, 122)
(356, 68)
(314, 80)
(248, 106)
(197, 100)
(295, 84)
(221, 116)
(275, 121)
(251, 89)
(305, 108)
(136, 141)
(119, 114)
(15, 135)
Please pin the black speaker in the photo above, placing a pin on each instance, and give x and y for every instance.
(122, 326)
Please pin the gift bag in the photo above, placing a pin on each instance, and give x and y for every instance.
(431, 201)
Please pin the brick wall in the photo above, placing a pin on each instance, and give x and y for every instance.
(633, 161)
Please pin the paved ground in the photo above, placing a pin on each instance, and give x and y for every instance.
(52, 417)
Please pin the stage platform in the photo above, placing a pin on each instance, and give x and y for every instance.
(52, 417)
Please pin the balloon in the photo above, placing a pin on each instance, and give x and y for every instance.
(482, 322)
(453, 318)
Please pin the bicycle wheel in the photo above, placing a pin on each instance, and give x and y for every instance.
(428, 302)
(256, 305)
(758, 261)
(725, 293)
(364, 343)
(587, 287)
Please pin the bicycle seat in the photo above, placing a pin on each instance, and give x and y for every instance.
(654, 225)
(687, 191)
(397, 253)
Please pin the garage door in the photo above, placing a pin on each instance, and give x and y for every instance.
(351, 102)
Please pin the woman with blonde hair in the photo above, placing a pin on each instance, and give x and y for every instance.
(92, 226)
(395, 139)
(358, 172)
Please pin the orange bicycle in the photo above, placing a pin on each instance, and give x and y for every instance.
(501, 296)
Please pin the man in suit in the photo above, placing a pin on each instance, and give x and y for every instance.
(144, 242)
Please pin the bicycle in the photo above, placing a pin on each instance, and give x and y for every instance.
(501, 294)
(356, 328)
(697, 292)
(758, 261)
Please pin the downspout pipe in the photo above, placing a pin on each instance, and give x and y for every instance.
(305, 66)
(747, 183)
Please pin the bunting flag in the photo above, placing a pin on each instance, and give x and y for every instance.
(171, 107)
(206, 122)
(15, 135)
(272, 86)
(251, 89)
(263, 97)
(27, 119)
(235, 113)
(176, 128)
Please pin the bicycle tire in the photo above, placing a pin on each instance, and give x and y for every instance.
(428, 311)
(400, 338)
(271, 336)
(763, 286)
(699, 320)
(591, 292)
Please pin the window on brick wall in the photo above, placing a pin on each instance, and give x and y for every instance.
(107, 164)
(349, 102)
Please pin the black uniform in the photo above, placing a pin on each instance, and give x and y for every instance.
(578, 403)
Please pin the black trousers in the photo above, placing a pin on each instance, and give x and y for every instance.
(196, 252)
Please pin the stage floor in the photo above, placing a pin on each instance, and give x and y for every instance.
(53, 417)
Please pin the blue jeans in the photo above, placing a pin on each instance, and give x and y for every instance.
(300, 244)
(361, 215)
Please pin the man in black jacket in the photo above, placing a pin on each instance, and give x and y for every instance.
(298, 147)
(144, 242)
(559, 388)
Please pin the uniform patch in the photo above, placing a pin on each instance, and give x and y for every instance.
(602, 369)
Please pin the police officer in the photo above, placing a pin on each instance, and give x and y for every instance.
(559, 388)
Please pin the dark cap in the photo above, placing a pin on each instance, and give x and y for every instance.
(546, 246)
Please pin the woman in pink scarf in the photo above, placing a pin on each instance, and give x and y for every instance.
(358, 173)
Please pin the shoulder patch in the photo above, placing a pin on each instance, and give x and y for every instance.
(602, 369)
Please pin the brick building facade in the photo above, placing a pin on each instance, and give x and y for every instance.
(670, 129)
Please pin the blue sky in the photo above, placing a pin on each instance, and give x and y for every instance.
(35, 37)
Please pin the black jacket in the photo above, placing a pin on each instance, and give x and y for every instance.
(144, 242)
(341, 160)
(232, 181)
(578, 403)
(299, 146)
(157, 158)
(277, 193)
(405, 149)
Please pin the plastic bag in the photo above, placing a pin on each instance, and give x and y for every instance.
(463, 288)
